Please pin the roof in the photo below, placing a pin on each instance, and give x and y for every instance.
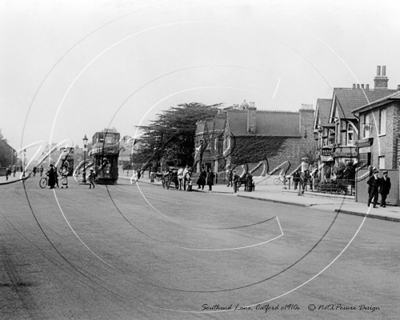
(268, 123)
(350, 99)
(387, 99)
(323, 112)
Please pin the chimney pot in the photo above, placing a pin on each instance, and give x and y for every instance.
(398, 87)
(362, 85)
(384, 70)
(367, 86)
(358, 86)
(354, 85)
(378, 71)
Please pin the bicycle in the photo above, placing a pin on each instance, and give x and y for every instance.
(281, 180)
(43, 182)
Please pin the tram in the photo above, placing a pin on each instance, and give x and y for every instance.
(104, 154)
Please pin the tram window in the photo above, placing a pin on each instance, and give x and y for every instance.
(101, 138)
(109, 139)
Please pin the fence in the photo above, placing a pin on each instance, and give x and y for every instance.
(338, 186)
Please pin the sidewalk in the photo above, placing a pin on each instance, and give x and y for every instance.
(12, 179)
(325, 202)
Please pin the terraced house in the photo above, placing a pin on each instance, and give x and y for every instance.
(338, 134)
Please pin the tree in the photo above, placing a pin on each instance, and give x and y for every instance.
(310, 151)
(171, 137)
(7, 156)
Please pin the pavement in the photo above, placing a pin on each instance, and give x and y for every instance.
(266, 191)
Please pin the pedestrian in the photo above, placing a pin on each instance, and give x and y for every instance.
(64, 176)
(201, 181)
(56, 177)
(188, 179)
(51, 174)
(185, 171)
(249, 182)
(41, 170)
(296, 178)
(8, 172)
(210, 179)
(373, 188)
(180, 178)
(229, 177)
(14, 169)
(34, 171)
(235, 181)
(384, 188)
(139, 174)
(91, 178)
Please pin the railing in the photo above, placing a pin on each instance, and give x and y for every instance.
(338, 186)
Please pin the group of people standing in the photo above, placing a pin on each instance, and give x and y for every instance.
(11, 170)
(206, 178)
(52, 176)
(235, 181)
(378, 185)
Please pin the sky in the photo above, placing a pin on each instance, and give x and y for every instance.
(72, 68)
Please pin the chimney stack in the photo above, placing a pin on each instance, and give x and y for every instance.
(251, 118)
(381, 80)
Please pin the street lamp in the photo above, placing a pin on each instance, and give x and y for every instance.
(23, 172)
(85, 141)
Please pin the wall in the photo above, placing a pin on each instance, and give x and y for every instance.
(385, 145)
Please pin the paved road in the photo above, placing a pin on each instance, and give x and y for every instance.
(142, 252)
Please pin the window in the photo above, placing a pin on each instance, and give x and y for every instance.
(350, 134)
(382, 121)
(381, 162)
(367, 125)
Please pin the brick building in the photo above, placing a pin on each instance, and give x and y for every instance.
(379, 141)
(339, 132)
(244, 136)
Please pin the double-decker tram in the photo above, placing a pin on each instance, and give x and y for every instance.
(104, 153)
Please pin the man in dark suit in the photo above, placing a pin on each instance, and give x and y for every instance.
(384, 188)
(373, 183)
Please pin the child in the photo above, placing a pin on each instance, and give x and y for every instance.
(64, 175)
(91, 179)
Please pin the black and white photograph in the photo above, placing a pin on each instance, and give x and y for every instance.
(199, 159)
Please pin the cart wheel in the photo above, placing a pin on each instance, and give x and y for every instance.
(277, 181)
(43, 183)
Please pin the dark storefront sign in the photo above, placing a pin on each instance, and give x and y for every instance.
(327, 152)
(345, 154)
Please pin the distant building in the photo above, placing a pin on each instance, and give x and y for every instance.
(244, 136)
(7, 154)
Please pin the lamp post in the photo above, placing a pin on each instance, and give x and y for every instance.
(23, 171)
(85, 140)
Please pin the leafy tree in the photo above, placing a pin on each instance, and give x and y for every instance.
(7, 156)
(171, 137)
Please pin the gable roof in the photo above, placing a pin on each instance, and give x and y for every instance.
(323, 112)
(349, 99)
(387, 99)
(268, 123)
